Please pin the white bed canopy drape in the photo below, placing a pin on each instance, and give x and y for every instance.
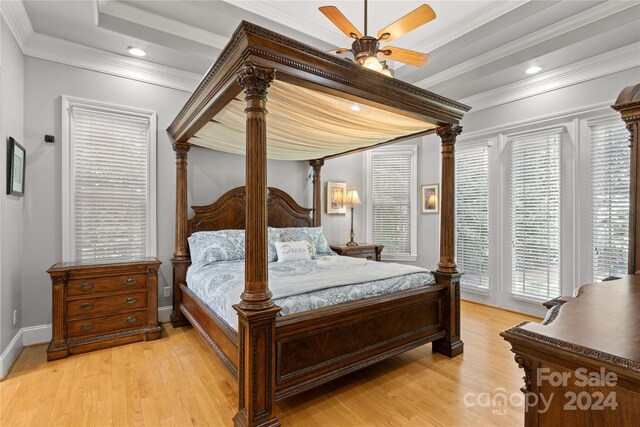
(305, 124)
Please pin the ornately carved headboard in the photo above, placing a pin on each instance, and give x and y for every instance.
(228, 212)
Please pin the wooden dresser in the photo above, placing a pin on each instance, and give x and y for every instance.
(100, 305)
(595, 335)
(363, 250)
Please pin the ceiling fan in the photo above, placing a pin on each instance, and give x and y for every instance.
(366, 48)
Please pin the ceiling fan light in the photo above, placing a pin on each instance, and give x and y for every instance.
(372, 63)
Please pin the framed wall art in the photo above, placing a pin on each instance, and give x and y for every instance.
(336, 192)
(430, 198)
(16, 158)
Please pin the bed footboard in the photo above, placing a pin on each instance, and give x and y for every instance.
(316, 347)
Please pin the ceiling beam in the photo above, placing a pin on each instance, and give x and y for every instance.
(564, 26)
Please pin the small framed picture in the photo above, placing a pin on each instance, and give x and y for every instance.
(430, 198)
(16, 158)
(336, 192)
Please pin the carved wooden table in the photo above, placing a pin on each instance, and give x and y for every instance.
(582, 364)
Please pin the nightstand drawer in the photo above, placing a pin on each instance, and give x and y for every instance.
(98, 285)
(112, 323)
(106, 305)
(371, 256)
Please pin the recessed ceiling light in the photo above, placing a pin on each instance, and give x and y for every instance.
(355, 107)
(136, 51)
(533, 70)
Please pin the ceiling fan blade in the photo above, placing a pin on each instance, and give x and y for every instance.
(340, 21)
(407, 56)
(408, 22)
(339, 51)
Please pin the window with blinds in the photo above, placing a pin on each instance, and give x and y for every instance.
(392, 198)
(109, 200)
(610, 168)
(472, 215)
(535, 213)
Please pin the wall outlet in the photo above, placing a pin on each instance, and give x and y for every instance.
(15, 317)
(167, 291)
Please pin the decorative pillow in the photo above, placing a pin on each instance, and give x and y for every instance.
(213, 246)
(273, 235)
(292, 251)
(312, 234)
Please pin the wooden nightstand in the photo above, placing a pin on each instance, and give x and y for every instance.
(363, 250)
(99, 305)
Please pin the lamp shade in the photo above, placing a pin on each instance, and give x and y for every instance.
(352, 197)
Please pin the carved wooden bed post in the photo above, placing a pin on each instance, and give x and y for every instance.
(628, 105)
(180, 258)
(256, 311)
(317, 191)
(447, 273)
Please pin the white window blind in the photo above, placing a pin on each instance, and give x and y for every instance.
(610, 168)
(472, 215)
(392, 188)
(535, 213)
(109, 184)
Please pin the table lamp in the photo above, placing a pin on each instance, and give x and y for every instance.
(352, 199)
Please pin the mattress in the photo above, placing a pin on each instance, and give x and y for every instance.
(299, 286)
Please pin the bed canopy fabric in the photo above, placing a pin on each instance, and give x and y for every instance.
(305, 124)
(310, 96)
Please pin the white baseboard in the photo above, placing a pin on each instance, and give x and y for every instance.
(164, 313)
(36, 334)
(10, 354)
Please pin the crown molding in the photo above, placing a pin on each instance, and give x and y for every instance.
(572, 23)
(617, 60)
(78, 55)
(15, 15)
(275, 12)
(62, 51)
(156, 22)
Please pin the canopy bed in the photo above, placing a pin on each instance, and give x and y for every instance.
(310, 99)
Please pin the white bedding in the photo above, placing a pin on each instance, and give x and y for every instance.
(304, 285)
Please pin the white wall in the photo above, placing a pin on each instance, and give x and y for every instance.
(351, 169)
(211, 173)
(11, 92)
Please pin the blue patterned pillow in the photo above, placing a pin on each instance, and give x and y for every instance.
(225, 245)
(273, 236)
(314, 235)
(213, 246)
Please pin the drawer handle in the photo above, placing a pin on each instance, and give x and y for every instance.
(86, 286)
(130, 300)
(86, 306)
(130, 319)
(86, 326)
(130, 281)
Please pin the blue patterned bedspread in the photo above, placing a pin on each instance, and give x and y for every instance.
(220, 284)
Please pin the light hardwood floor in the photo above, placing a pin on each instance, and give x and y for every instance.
(178, 381)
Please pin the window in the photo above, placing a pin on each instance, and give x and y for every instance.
(610, 168)
(472, 215)
(392, 193)
(108, 181)
(535, 213)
